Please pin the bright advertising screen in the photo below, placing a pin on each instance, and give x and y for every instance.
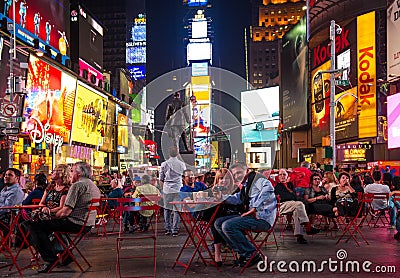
(201, 120)
(393, 39)
(195, 3)
(49, 103)
(200, 69)
(90, 115)
(393, 112)
(260, 114)
(137, 72)
(295, 77)
(320, 97)
(199, 29)
(47, 20)
(122, 133)
(198, 51)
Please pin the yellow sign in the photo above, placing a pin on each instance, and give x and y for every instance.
(201, 88)
(89, 116)
(354, 155)
(366, 64)
(122, 130)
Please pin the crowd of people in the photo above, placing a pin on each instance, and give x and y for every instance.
(249, 201)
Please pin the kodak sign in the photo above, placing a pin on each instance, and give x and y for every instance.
(366, 75)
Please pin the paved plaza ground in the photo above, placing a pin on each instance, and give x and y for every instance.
(383, 253)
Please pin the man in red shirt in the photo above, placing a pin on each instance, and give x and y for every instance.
(300, 177)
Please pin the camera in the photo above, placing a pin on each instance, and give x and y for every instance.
(219, 188)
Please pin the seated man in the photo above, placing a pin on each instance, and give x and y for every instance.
(259, 205)
(190, 185)
(290, 204)
(377, 187)
(145, 190)
(10, 195)
(71, 217)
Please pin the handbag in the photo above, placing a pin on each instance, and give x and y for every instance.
(347, 206)
(39, 215)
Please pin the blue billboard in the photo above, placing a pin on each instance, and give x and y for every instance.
(137, 72)
(196, 3)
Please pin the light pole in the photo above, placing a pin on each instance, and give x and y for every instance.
(332, 93)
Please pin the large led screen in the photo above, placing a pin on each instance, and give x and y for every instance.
(109, 129)
(47, 20)
(199, 29)
(346, 114)
(136, 37)
(195, 3)
(90, 40)
(260, 114)
(136, 53)
(49, 103)
(294, 79)
(393, 111)
(137, 72)
(122, 133)
(320, 98)
(393, 40)
(201, 120)
(90, 116)
(199, 51)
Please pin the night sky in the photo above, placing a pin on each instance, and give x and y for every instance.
(165, 47)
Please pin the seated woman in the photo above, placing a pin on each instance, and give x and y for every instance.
(317, 198)
(344, 197)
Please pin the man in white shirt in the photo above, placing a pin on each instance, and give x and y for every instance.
(171, 172)
(377, 187)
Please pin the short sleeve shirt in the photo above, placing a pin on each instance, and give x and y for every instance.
(79, 198)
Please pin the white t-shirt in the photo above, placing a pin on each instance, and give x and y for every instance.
(378, 188)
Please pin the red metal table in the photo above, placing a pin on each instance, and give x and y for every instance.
(197, 231)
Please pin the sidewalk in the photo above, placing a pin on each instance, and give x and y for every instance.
(383, 252)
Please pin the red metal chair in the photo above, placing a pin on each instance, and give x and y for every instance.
(136, 205)
(260, 238)
(381, 213)
(350, 225)
(73, 240)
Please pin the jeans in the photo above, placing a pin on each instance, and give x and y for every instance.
(41, 230)
(393, 206)
(231, 229)
(168, 208)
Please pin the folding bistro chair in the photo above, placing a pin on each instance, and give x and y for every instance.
(351, 224)
(381, 213)
(73, 240)
(136, 205)
(260, 238)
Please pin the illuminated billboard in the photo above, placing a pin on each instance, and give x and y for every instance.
(88, 33)
(201, 88)
(91, 71)
(136, 40)
(137, 72)
(122, 121)
(295, 80)
(199, 28)
(46, 20)
(201, 114)
(320, 98)
(200, 69)
(346, 114)
(196, 3)
(393, 112)
(49, 103)
(109, 129)
(90, 115)
(260, 114)
(366, 75)
(393, 40)
(198, 51)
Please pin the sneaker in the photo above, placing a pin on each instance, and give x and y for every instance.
(175, 234)
(301, 240)
(240, 261)
(397, 236)
(256, 259)
(313, 231)
(167, 233)
(35, 258)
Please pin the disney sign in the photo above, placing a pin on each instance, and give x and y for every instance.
(40, 133)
